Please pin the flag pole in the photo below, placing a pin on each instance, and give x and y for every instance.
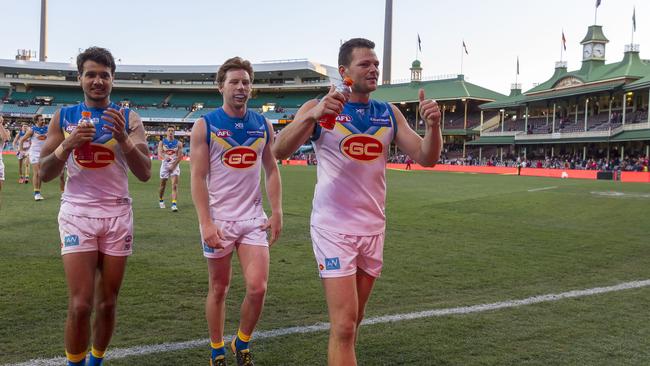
(462, 51)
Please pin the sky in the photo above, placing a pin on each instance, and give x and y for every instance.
(207, 32)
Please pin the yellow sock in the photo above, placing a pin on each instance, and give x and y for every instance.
(242, 336)
(75, 357)
(97, 353)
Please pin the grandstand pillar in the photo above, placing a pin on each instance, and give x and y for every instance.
(576, 122)
(647, 109)
(647, 151)
(609, 116)
(480, 132)
(584, 152)
(622, 151)
(526, 120)
(553, 118)
(501, 154)
(624, 107)
(503, 113)
(552, 151)
(480, 154)
(443, 117)
(586, 106)
(464, 148)
(465, 123)
(608, 151)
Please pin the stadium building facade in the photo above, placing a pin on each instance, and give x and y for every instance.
(599, 111)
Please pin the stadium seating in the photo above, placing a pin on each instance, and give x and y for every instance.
(151, 112)
(188, 99)
(15, 108)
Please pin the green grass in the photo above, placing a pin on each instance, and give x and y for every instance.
(452, 240)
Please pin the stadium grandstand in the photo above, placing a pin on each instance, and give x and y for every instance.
(162, 95)
(598, 113)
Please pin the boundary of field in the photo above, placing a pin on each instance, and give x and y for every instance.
(118, 353)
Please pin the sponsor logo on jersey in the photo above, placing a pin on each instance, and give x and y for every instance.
(70, 240)
(41, 137)
(100, 157)
(332, 263)
(207, 249)
(255, 133)
(343, 118)
(364, 148)
(380, 121)
(239, 157)
(224, 133)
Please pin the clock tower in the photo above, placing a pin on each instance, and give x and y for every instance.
(593, 45)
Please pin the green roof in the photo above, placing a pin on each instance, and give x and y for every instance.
(642, 83)
(634, 135)
(569, 140)
(594, 75)
(594, 33)
(446, 89)
(561, 93)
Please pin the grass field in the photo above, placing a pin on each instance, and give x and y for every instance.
(453, 240)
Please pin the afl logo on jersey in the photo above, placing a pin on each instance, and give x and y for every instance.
(364, 148)
(239, 157)
(101, 157)
(41, 137)
(343, 118)
(224, 133)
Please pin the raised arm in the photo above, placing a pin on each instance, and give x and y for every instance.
(298, 131)
(273, 189)
(424, 151)
(58, 147)
(133, 142)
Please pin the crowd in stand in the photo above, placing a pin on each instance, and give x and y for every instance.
(637, 163)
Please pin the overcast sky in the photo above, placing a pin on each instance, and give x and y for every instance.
(203, 32)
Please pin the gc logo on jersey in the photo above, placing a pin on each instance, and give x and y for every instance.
(239, 157)
(364, 148)
(101, 157)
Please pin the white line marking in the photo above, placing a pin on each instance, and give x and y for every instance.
(542, 189)
(614, 194)
(319, 327)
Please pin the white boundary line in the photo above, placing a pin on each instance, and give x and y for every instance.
(542, 189)
(168, 347)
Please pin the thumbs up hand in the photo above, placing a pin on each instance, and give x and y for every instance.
(429, 110)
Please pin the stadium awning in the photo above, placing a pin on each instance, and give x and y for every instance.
(572, 92)
(637, 135)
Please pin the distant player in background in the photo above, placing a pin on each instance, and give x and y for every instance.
(36, 134)
(229, 147)
(170, 153)
(22, 153)
(4, 137)
(96, 217)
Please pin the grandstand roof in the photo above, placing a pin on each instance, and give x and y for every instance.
(445, 89)
(288, 69)
(594, 76)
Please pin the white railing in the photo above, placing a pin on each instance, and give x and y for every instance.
(504, 133)
(635, 126)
